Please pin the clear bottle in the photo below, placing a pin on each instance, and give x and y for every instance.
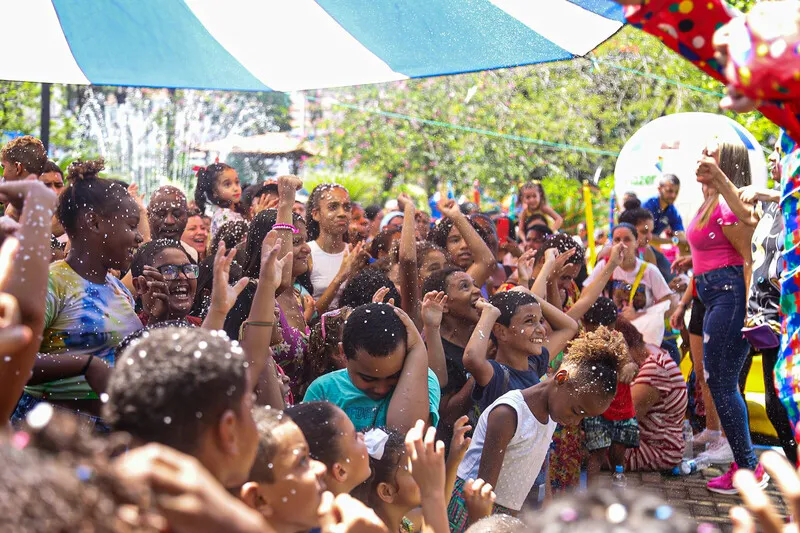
(693, 465)
(618, 479)
(688, 440)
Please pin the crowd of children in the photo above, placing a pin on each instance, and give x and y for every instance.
(248, 362)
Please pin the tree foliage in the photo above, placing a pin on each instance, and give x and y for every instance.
(581, 106)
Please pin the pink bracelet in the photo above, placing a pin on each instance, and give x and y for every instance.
(286, 226)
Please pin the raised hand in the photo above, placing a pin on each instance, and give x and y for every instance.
(459, 443)
(525, 266)
(708, 171)
(427, 459)
(433, 306)
(152, 284)
(479, 498)
(487, 309)
(403, 201)
(15, 192)
(288, 185)
(414, 338)
(628, 372)
(449, 208)
(676, 319)
(223, 295)
(273, 270)
(354, 260)
(562, 259)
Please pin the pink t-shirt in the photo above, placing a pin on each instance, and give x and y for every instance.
(710, 248)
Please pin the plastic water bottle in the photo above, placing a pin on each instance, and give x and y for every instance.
(688, 440)
(618, 479)
(693, 465)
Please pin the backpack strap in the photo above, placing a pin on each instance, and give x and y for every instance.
(637, 282)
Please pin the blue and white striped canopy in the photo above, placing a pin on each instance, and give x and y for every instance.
(288, 45)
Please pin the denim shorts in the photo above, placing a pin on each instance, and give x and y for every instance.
(600, 432)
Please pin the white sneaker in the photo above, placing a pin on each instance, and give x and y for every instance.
(718, 452)
(706, 437)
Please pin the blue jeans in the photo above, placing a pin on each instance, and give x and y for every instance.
(725, 351)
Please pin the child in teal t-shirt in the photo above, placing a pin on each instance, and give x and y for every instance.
(387, 381)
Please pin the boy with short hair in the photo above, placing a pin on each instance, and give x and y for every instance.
(385, 382)
(21, 157)
(188, 389)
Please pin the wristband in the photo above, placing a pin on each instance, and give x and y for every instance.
(286, 226)
(261, 324)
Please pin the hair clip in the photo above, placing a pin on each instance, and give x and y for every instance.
(197, 169)
(329, 314)
(376, 439)
(216, 160)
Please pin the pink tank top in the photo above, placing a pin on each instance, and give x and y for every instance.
(710, 248)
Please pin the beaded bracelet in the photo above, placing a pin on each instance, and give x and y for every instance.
(286, 226)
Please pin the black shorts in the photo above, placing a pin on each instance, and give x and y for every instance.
(697, 315)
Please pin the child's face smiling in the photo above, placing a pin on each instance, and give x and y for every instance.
(377, 376)
(526, 332)
(531, 198)
(228, 188)
(462, 295)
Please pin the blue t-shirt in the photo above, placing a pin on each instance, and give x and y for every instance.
(517, 379)
(363, 411)
(669, 217)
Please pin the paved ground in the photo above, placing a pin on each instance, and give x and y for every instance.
(689, 493)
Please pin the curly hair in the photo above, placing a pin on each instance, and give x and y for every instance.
(88, 191)
(563, 243)
(362, 287)
(174, 384)
(28, 151)
(596, 358)
(603, 312)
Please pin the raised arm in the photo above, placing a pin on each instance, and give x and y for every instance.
(484, 260)
(410, 401)
(24, 271)
(593, 291)
(564, 328)
(287, 189)
(433, 305)
(708, 172)
(475, 360)
(409, 280)
(257, 330)
(223, 295)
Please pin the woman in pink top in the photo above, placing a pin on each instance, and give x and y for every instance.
(721, 259)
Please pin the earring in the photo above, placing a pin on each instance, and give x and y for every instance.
(561, 377)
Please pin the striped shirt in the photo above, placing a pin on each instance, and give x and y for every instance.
(661, 430)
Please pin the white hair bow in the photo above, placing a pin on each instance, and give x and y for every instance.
(376, 439)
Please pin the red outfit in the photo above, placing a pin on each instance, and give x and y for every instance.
(621, 407)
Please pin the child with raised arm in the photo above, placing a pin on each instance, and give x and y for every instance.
(517, 428)
(516, 320)
(385, 382)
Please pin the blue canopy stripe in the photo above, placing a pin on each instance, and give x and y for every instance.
(285, 45)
